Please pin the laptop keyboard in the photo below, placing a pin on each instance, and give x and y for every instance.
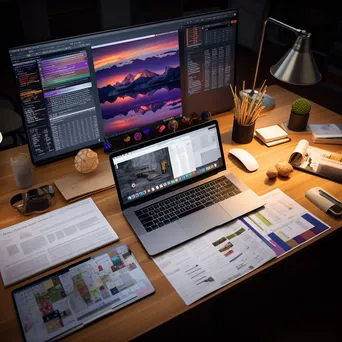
(186, 203)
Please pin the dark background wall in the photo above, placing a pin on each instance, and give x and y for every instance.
(29, 21)
(308, 283)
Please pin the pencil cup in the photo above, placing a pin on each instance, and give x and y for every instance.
(242, 134)
(22, 171)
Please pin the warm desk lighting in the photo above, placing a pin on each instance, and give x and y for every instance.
(296, 67)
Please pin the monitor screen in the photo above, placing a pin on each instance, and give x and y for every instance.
(138, 80)
(78, 91)
(167, 163)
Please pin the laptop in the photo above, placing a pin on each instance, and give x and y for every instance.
(176, 187)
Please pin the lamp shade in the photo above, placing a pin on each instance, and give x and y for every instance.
(298, 66)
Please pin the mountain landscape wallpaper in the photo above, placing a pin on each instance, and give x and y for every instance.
(138, 82)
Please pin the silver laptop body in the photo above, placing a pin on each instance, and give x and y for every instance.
(187, 165)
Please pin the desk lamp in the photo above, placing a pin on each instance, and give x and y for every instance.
(296, 67)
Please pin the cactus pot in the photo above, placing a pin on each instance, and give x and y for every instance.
(298, 122)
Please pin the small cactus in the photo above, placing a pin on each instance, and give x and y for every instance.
(301, 106)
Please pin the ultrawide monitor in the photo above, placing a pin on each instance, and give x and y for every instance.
(78, 91)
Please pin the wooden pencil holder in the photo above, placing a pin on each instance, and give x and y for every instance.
(242, 134)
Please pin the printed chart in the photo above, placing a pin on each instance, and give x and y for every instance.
(284, 224)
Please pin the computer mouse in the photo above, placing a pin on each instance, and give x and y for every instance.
(245, 158)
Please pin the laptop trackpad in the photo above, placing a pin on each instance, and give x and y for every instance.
(203, 220)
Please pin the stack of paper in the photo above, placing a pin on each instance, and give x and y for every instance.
(272, 135)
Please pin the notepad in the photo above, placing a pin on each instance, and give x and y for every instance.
(271, 133)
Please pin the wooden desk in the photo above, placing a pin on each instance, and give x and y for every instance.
(165, 303)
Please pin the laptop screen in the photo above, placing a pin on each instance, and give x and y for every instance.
(165, 164)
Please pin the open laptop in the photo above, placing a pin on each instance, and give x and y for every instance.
(176, 187)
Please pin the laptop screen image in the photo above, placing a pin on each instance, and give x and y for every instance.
(165, 164)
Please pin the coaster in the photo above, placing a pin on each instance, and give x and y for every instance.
(307, 130)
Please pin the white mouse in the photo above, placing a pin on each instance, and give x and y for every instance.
(245, 158)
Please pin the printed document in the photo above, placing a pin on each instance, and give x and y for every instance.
(283, 223)
(42, 242)
(219, 257)
(213, 260)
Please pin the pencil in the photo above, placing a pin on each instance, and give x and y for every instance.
(247, 109)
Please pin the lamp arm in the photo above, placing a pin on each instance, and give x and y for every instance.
(279, 23)
(288, 27)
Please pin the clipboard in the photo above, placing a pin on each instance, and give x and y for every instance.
(68, 300)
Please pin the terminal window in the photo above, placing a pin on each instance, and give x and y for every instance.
(59, 103)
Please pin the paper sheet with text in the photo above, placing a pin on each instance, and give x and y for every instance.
(213, 260)
(283, 223)
(50, 239)
(221, 256)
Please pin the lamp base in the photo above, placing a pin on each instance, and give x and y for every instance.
(267, 101)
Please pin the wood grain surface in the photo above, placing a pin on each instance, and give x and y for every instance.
(165, 304)
(76, 185)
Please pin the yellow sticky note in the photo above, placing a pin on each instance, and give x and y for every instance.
(48, 284)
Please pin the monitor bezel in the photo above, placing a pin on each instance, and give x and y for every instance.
(84, 36)
(176, 186)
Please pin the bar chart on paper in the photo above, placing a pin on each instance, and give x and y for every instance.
(213, 260)
(284, 224)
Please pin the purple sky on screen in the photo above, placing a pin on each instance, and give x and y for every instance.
(113, 63)
(134, 108)
(137, 49)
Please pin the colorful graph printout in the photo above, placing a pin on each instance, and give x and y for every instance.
(284, 224)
